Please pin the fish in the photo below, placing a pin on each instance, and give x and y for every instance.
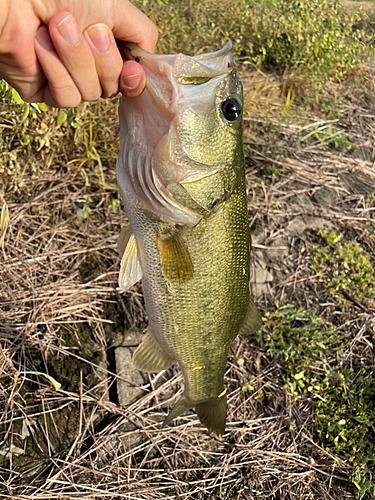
(181, 176)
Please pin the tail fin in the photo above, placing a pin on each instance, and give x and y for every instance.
(212, 413)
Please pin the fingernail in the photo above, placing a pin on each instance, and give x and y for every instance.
(68, 29)
(131, 82)
(99, 36)
(43, 38)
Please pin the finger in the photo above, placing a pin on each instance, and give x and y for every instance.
(132, 79)
(60, 90)
(108, 61)
(18, 62)
(75, 54)
(131, 25)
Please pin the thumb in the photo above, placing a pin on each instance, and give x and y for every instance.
(131, 25)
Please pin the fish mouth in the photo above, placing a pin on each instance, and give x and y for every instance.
(174, 80)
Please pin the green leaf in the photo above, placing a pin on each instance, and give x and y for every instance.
(16, 97)
(35, 106)
(56, 385)
(114, 205)
(86, 211)
(42, 106)
(25, 114)
(61, 117)
(4, 217)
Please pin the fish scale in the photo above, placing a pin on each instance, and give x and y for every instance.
(192, 235)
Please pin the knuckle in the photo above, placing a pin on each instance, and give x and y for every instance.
(28, 96)
(155, 34)
(150, 33)
(109, 90)
(91, 94)
(65, 96)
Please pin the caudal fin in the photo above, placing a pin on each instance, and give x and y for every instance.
(212, 413)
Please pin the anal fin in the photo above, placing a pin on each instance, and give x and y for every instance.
(175, 258)
(130, 270)
(182, 406)
(150, 357)
(252, 321)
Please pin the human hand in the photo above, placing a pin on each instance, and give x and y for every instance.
(60, 57)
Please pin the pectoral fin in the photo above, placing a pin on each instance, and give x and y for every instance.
(123, 239)
(130, 270)
(175, 258)
(150, 357)
(252, 321)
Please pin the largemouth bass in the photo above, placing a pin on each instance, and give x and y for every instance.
(181, 176)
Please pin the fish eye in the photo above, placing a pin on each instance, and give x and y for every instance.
(231, 109)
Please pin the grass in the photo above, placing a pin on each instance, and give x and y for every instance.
(313, 38)
(319, 367)
(41, 133)
(344, 269)
(301, 392)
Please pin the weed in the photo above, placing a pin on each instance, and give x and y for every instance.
(4, 223)
(313, 359)
(343, 268)
(315, 36)
(326, 136)
(33, 135)
(300, 339)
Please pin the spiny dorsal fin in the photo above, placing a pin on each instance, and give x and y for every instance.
(175, 259)
(130, 270)
(252, 321)
(150, 357)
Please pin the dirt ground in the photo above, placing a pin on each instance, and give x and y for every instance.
(98, 434)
